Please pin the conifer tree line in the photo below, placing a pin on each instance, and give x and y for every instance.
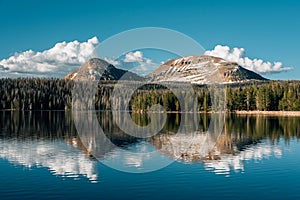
(270, 96)
(35, 94)
(273, 96)
(56, 94)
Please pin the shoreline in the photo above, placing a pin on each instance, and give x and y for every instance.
(238, 112)
(270, 113)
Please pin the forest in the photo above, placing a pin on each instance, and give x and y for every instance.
(56, 94)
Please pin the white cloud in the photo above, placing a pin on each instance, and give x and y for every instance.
(65, 57)
(238, 55)
(135, 62)
(134, 57)
(143, 65)
(59, 60)
(112, 61)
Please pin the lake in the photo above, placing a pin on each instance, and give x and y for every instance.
(62, 155)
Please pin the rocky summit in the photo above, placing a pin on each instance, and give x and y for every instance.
(190, 69)
(202, 70)
(98, 69)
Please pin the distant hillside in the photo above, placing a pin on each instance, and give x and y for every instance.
(98, 69)
(202, 70)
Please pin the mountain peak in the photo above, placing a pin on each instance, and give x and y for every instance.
(98, 69)
(202, 70)
(190, 69)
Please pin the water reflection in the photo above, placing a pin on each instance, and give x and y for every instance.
(59, 157)
(226, 163)
(45, 139)
(183, 140)
(50, 140)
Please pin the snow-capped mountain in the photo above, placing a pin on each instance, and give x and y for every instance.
(202, 70)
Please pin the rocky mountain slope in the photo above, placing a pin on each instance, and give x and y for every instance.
(98, 69)
(202, 70)
(190, 69)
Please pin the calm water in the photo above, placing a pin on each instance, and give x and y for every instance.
(43, 156)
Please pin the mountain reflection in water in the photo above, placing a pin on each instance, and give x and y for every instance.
(50, 140)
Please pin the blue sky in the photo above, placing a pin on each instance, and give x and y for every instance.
(269, 30)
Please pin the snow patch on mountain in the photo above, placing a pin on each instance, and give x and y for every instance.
(202, 70)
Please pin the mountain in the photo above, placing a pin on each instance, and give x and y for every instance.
(98, 69)
(202, 70)
(190, 69)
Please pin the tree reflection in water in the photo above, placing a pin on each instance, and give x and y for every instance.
(49, 139)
